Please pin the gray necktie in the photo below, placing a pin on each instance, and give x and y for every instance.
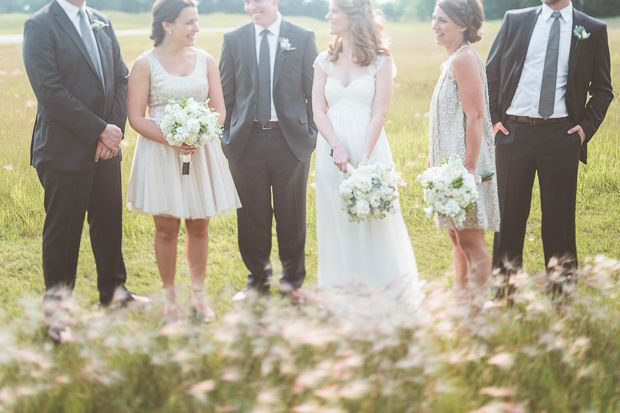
(550, 72)
(263, 112)
(91, 45)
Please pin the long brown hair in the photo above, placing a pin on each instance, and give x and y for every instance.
(366, 32)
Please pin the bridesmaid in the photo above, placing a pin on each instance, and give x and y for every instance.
(174, 69)
(460, 124)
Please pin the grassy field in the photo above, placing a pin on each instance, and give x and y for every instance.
(418, 60)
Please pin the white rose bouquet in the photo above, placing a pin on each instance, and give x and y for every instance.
(189, 122)
(450, 190)
(370, 192)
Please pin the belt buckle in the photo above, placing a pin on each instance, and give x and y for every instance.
(532, 121)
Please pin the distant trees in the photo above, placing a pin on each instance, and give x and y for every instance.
(313, 8)
(494, 9)
(394, 10)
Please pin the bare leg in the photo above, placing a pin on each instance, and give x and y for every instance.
(459, 260)
(197, 253)
(166, 241)
(473, 246)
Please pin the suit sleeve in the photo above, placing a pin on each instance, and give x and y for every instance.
(310, 54)
(600, 89)
(493, 71)
(50, 90)
(227, 74)
(119, 111)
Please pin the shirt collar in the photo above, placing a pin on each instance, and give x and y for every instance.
(274, 28)
(566, 12)
(71, 10)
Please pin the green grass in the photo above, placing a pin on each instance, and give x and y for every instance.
(543, 382)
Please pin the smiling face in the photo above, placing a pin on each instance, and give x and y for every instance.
(185, 28)
(262, 12)
(337, 19)
(447, 32)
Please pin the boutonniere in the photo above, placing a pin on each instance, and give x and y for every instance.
(285, 44)
(98, 25)
(580, 33)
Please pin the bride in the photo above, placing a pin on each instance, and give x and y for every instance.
(351, 95)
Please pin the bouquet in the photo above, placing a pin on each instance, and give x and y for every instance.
(450, 190)
(189, 122)
(370, 192)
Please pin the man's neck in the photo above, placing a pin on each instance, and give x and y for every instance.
(76, 3)
(561, 5)
(272, 21)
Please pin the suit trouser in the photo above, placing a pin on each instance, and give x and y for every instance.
(553, 154)
(268, 168)
(68, 196)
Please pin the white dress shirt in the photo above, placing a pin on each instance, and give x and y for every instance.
(272, 38)
(72, 12)
(527, 96)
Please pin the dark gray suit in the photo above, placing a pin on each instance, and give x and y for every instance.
(266, 162)
(73, 109)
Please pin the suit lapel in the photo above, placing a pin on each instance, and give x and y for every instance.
(280, 54)
(251, 53)
(103, 44)
(575, 45)
(67, 25)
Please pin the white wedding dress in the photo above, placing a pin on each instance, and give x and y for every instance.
(156, 185)
(376, 255)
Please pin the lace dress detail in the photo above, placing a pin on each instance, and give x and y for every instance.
(376, 254)
(447, 125)
(156, 185)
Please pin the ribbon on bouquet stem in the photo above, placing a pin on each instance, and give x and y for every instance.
(186, 160)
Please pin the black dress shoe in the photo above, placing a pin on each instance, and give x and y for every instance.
(59, 334)
(123, 297)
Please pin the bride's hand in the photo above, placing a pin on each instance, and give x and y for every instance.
(340, 158)
(183, 149)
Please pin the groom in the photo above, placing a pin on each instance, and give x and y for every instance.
(541, 68)
(76, 71)
(269, 136)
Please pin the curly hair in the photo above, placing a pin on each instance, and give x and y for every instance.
(166, 11)
(366, 28)
(465, 13)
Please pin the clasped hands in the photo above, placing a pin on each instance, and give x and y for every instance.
(109, 143)
(341, 158)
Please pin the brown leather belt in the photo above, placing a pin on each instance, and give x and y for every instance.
(535, 121)
(267, 126)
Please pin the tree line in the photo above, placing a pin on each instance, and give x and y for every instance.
(395, 10)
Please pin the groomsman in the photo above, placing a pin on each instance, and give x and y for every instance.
(541, 68)
(269, 136)
(77, 73)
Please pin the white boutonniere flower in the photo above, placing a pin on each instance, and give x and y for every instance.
(285, 44)
(580, 33)
(98, 25)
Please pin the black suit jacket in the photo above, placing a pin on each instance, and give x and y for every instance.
(292, 89)
(73, 107)
(589, 69)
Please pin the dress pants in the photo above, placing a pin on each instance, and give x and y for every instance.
(68, 197)
(271, 181)
(549, 151)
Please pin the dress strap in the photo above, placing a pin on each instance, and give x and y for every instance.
(323, 62)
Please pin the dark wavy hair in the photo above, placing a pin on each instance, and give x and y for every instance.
(465, 13)
(167, 11)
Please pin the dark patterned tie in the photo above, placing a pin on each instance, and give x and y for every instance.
(91, 44)
(263, 112)
(550, 72)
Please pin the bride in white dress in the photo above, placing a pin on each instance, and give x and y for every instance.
(351, 95)
(173, 69)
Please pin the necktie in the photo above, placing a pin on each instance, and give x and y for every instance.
(550, 71)
(263, 112)
(91, 46)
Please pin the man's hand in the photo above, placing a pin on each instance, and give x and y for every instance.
(103, 152)
(499, 126)
(111, 137)
(578, 129)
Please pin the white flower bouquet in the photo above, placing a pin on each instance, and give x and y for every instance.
(370, 192)
(450, 190)
(189, 122)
